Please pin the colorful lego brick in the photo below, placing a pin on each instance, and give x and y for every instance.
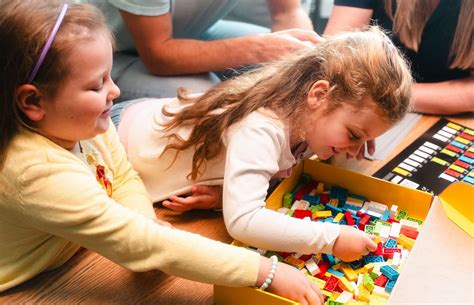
(368, 267)
(409, 224)
(386, 215)
(321, 283)
(378, 251)
(333, 209)
(390, 273)
(409, 232)
(344, 297)
(290, 213)
(381, 281)
(349, 273)
(380, 292)
(323, 267)
(393, 211)
(390, 243)
(313, 200)
(373, 259)
(369, 229)
(302, 214)
(312, 267)
(349, 218)
(335, 272)
(318, 207)
(287, 200)
(331, 283)
(376, 300)
(356, 264)
(322, 214)
(406, 242)
(368, 282)
(345, 285)
(388, 253)
(364, 294)
(395, 230)
(338, 217)
(401, 215)
(389, 286)
(363, 221)
(296, 262)
(330, 258)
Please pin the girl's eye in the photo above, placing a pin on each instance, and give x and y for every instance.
(353, 136)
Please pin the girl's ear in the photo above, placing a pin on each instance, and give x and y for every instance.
(318, 94)
(30, 101)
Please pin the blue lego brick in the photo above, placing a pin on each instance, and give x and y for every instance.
(313, 200)
(389, 272)
(390, 243)
(373, 259)
(389, 286)
(335, 272)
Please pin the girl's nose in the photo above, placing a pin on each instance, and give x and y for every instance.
(114, 92)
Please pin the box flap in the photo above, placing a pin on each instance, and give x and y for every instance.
(458, 204)
(440, 268)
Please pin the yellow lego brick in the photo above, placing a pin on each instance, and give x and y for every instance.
(338, 217)
(321, 214)
(345, 285)
(326, 293)
(376, 300)
(364, 294)
(349, 273)
(360, 270)
(377, 239)
(462, 140)
(294, 261)
(400, 171)
(321, 283)
(406, 241)
(457, 168)
(334, 295)
(368, 267)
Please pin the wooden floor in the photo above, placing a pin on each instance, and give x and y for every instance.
(91, 279)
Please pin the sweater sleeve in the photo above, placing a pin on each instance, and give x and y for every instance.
(64, 199)
(253, 151)
(128, 188)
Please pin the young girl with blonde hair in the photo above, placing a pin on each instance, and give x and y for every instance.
(65, 182)
(332, 98)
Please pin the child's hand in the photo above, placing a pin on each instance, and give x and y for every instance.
(290, 283)
(202, 197)
(352, 244)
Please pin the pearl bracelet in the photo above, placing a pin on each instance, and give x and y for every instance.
(270, 276)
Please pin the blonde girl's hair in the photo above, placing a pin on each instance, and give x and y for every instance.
(25, 27)
(356, 65)
(411, 17)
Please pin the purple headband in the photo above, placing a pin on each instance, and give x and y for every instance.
(48, 44)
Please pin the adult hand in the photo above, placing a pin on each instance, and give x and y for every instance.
(352, 244)
(202, 197)
(291, 283)
(277, 44)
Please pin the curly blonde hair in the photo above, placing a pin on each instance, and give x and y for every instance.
(356, 65)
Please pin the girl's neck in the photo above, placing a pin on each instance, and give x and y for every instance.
(72, 146)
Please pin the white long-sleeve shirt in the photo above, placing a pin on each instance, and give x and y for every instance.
(256, 148)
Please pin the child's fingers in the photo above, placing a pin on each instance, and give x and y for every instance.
(177, 205)
(318, 296)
